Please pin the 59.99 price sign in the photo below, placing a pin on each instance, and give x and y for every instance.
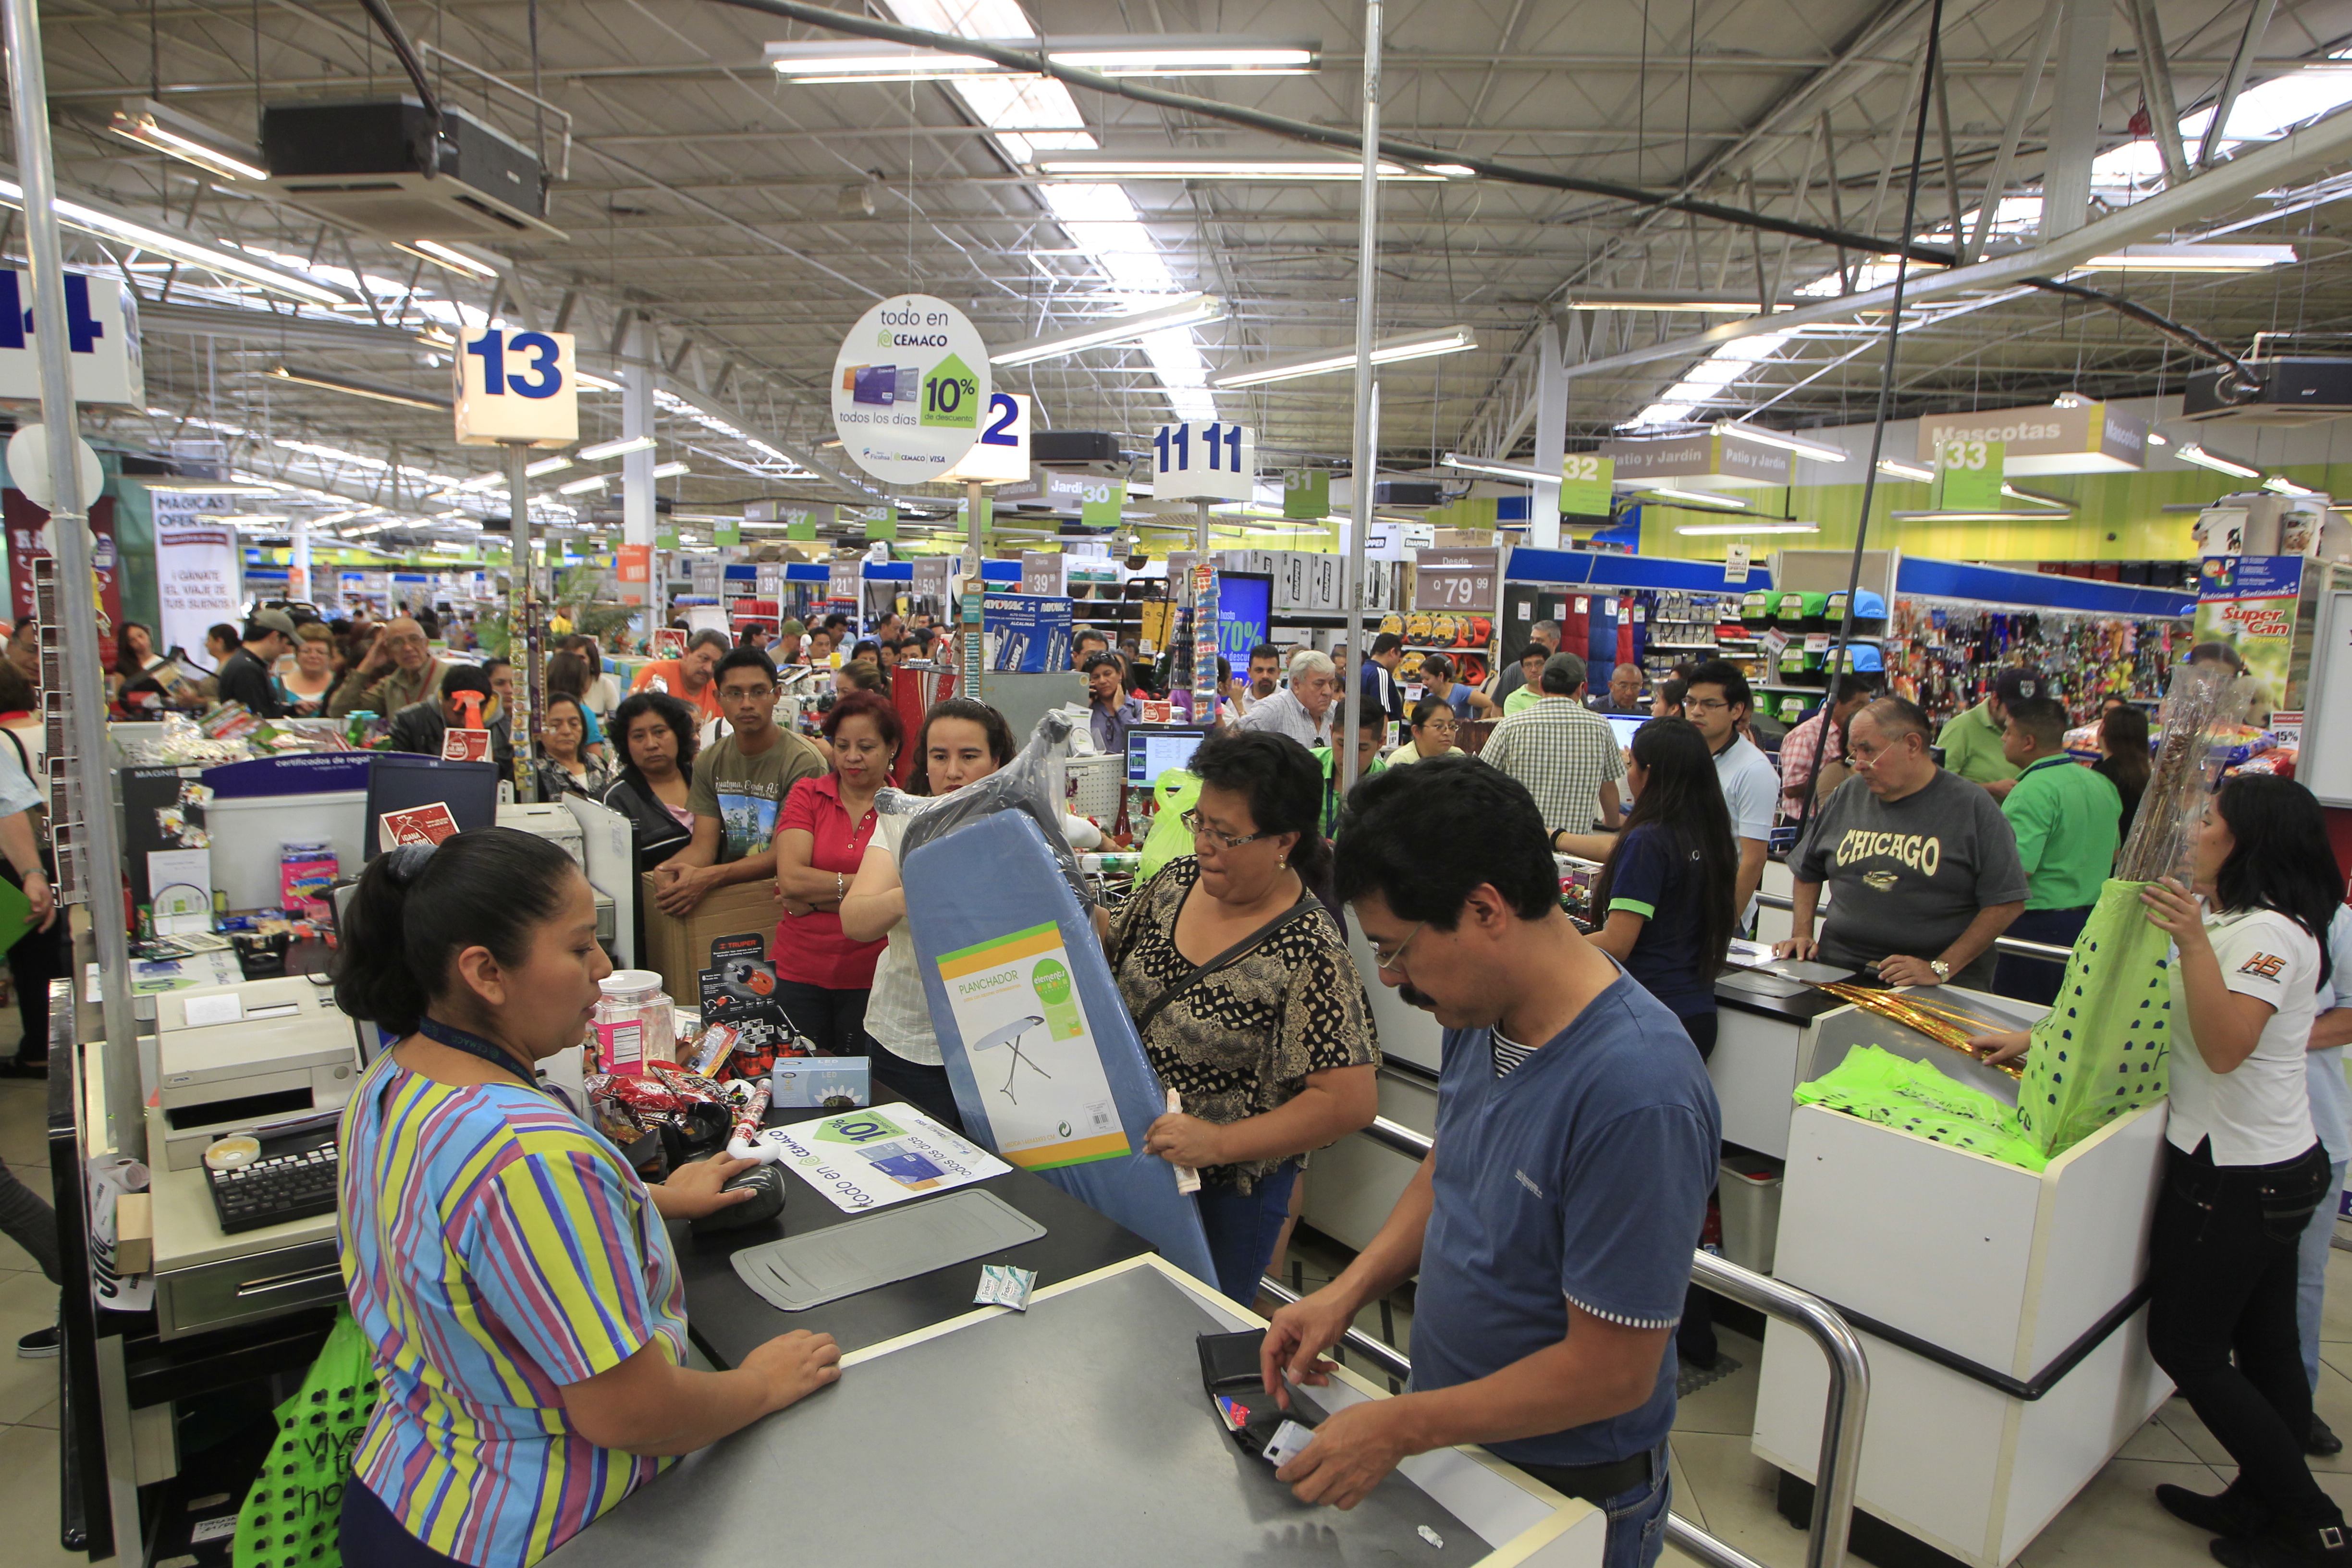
(517, 386)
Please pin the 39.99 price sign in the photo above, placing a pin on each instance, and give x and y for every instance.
(517, 386)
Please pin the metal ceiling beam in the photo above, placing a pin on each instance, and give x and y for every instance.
(2217, 191)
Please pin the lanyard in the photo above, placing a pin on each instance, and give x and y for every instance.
(473, 1046)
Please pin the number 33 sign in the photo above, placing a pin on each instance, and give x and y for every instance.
(517, 386)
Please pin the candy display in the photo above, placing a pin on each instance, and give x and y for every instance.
(1942, 655)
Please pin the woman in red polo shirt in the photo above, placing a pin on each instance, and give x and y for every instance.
(822, 976)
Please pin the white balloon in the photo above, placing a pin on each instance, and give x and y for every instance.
(28, 468)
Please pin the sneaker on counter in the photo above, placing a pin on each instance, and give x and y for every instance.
(2320, 1440)
(2312, 1546)
(2233, 1514)
(39, 1343)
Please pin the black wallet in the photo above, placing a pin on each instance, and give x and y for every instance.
(1236, 1390)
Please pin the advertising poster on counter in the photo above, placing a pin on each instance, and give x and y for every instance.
(1033, 1051)
(25, 523)
(196, 570)
(1027, 632)
(2249, 602)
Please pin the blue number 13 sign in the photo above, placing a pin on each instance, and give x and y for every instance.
(517, 386)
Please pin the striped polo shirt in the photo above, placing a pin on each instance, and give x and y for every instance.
(495, 1249)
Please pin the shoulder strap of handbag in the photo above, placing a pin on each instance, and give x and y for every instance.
(1152, 1009)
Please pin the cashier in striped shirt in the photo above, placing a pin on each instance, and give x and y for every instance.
(1552, 1226)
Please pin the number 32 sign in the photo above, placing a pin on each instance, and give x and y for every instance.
(517, 386)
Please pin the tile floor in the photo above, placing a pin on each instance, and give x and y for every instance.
(1719, 1484)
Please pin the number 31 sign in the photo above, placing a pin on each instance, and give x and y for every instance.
(517, 386)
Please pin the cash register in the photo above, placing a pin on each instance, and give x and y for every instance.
(268, 1064)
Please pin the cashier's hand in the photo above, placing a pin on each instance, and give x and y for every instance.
(1353, 1451)
(683, 888)
(692, 1190)
(2001, 1049)
(1296, 1336)
(1901, 969)
(1802, 947)
(1187, 1141)
(795, 1366)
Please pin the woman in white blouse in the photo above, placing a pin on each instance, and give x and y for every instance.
(2244, 1170)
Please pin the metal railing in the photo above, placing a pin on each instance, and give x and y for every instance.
(1840, 1453)
(2015, 946)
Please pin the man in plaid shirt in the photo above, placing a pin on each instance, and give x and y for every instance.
(1798, 746)
(1564, 752)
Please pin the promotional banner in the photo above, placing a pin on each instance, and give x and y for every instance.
(1016, 1007)
(910, 387)
(1306, 494)
(1026, 632)
(2249, 603)
(196, 570)
(25, 523)
(636, 564)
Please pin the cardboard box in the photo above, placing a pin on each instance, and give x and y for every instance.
(679, 949)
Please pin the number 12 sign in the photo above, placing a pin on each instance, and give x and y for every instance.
(517, 386)
(1210, 461)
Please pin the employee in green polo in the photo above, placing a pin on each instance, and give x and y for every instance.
(2067, 820)
(1974, 741)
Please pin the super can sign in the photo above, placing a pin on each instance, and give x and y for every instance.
(910, 390)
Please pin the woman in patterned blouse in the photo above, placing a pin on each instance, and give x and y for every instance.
(1272, 1050)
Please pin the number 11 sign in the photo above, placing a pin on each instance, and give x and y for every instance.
(1203, 461)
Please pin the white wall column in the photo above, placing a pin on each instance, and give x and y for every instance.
(1551, 438)
(637, 374)
(300, 584)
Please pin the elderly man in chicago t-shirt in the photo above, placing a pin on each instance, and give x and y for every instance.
(1922, 867)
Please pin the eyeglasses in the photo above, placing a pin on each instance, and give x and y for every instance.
(1705, 705)
(746, 693)
(1200, 829)
(1393, 959)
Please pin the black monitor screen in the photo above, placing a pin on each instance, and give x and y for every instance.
(400, 781)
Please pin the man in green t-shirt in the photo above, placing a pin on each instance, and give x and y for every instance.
(739, 782)
(1529, 691)
(2069, 823)
(1972, 740)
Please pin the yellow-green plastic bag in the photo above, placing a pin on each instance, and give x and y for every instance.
(1176, 791)
(291, 1515)
(2100, 1051)
(1876, 1084)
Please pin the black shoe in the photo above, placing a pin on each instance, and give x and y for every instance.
(40, 1342)
(24, 1066)
(2233, 1514)
(2320, 1441)
(2312, 1546)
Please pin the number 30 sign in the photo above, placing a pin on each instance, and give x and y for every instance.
(517, 386)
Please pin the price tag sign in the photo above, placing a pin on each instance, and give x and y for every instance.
(1456, 580)
(1585, 479)
(1306, 494)
(1203, 461)
(1969, 477)
(1000, 455)
(517, 386)
(1736, 557)
(843, 581)
(910, 390)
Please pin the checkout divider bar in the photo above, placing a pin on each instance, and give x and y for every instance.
(1849, 1378)
(2015, 946)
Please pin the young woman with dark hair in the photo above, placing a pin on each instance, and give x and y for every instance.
(2125, 760)
(961, 743)
(531, 1348)
(2245, 1169)
(823, 973)
(1247, 1001)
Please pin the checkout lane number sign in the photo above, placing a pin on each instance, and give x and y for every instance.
(517, 386)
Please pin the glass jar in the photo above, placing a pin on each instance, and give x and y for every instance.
(635, 1022)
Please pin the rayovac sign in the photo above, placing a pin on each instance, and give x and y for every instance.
(2086, 438)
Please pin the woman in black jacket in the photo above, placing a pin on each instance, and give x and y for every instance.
(656, 735)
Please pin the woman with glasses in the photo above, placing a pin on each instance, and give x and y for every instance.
(565, 765)
(1433, 726)
(1245, 998)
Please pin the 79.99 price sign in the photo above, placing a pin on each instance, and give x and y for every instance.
(1456, 580)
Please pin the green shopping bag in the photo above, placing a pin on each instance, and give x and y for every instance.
(1876, 1084)
(1176, 791)
(290, 1517)
(2100, 1051)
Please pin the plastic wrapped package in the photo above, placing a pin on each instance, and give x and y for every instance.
(1026, 785)
(1878, 1086)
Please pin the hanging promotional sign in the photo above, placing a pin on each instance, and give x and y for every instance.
(2251, 604)
(1033, 1051)
(1585, 484)
(1203, 460)
(1968, 476)
(1000, 455)
(1306, 494)
(195, 570)
(910, 389)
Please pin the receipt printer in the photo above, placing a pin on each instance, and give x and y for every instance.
(235, 1057)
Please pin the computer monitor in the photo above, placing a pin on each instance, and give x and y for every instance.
(1151, 752)
(399, 781)
(1625, 724)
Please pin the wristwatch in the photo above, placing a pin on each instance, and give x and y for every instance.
(1943, 971)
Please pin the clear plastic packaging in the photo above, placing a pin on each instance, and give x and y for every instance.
(635, 1022)
(1026, 783)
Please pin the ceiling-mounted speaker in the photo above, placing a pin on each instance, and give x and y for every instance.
(385, 168)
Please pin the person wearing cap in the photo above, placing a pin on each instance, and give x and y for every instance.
(1972, 739)
(245, 675)
(397, 669)
(1564, 754)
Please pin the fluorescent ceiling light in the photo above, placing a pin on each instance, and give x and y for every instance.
(1698, 497)
(813, 63)
(448, 258)
(595, 383)
(1693, 301)
(1895, 470)
(2192, 258)
(170, 486)
(2191, 452)
(1763, 437)
(149, 124)
(1186, 310)
(582, 487)
(546, 466)
(2279, 484)
(1237, 170)
(218, 258)
(1500, 470)
(1695, 530)
(335, 517)
(620, 448)
(1451, 171)
(2158, 438)
(1387, 351)
(355, 387)
(2013, 493)
(669, 470)
(1975, 516)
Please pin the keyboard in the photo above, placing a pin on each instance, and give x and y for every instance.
(294, 1179)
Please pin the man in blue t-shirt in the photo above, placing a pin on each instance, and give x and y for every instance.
(1552, 1227)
